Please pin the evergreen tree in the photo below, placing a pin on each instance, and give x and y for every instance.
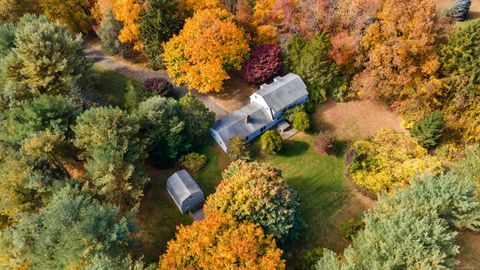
(158, 23)
(7, 39)
(197, 117)
(238, 149)
(108, 33)
(459, 10)
(429, 130)
(271, 142)
(301, 122)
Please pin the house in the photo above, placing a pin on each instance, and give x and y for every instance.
(184, 191)
(264, 111)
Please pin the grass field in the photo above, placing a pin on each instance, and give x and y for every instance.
(112, 85)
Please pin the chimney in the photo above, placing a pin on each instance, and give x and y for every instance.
(245, 118)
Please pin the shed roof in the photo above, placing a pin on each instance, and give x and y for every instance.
(233, 124)
(180, 186)
(283, 91)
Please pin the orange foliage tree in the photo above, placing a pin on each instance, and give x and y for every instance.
(207, 47)
(220, 242)
(197, 5)
(100, 7)
(401, 52)
(128, 12)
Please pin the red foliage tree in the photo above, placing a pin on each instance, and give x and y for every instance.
(264, 63)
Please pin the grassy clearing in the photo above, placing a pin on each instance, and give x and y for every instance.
(112, 85)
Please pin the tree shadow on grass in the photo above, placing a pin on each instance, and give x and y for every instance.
(340, 147)
(293, 148)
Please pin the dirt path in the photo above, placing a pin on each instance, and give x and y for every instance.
(140, 73)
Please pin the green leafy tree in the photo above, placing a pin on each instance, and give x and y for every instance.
(163, 129)
(310, 60)
(27, 74)
(113, 148)
(193, 162)
(258, 193)
(75, 14)
(301, 122)
(158, 23)
(198, 119)
(429, 130)
(238, 149)
(108, 33)
(271, 142)
(308, 258)
(68, 232)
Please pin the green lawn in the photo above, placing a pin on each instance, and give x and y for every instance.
(111, 85)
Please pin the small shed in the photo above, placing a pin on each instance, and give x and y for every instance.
(185, 192)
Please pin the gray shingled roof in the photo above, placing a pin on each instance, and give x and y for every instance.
(283, 91)
(180, 186)
(233, 124)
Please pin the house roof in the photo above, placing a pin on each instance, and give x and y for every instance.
(233, 124)
(180, 186)
(283, 91)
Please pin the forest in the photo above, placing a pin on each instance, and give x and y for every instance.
(101, 101)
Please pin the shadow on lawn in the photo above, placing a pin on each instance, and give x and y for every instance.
(293, 148)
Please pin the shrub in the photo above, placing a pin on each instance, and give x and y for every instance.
(308, 258)
(264, 63)
(389, 159)
(133, 96)
(323, 143)
(459, 10)
(160, 86)
(108, 33)
(271, 142)
(258, 193)
(429, 130)
(290, 113)
(447, 151)
(301, 122)
(238, 149)
(350, 227)
(193, 162)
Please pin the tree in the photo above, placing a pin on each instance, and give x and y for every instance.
(68, 232)
(192, 6)
(429, 130)
(389, 160)
(197, 117)
(271, 142)
(13, 10)
(193, 162)
(159, 86)
(7, 39)
(400, 46)
(310, 60)
(114, 150)
(28, 75)
(264, 63)
(128, 13)
(220, 242)
(197, 58)
(108, 32)
(75, 14)
(468, 168)
(238, 149)
(258, 193)
(163, 129)
(323, 143)
(459, 10)
(301, 122)
(158, 23)
(134, 94)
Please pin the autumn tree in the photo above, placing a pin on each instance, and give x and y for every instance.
(68, 232)
(159, 21)
(238, 149)
(264, 62)
(192, 6)
(220, 242)
(113, 150)
(128, 13)
(28, 75)
(258, 193)
(13, 10)
(197, 58)
(389, 160)
(75, 14)
(400, 46)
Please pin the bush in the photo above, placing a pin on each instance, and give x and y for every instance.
(323, 143)
(133, 96)
(308, 258)
(447, 151)
(271, 142)
(350, 227)
(290, 113)
(160, 86)
(193, 162)
(429, 130)
(108, 33)
(301, 122)
(264, 63)
(238, 149)
(459, 10)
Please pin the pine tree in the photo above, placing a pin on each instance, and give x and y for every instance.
(459, 10)
(429, 130)
(108, 33)
(238, 149)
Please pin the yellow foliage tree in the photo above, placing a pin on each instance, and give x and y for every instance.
(100, 7)
(220, 242)
(197, 5)
(128, 12)
(389, 160)
(262, 16)
(207, 47)
(76, 14)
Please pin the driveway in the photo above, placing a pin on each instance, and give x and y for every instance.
(139, 73)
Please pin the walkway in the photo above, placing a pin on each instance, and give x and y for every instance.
(131, 70)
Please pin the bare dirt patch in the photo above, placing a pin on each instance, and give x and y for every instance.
(469, 256)
(355, 120)
(235, 94)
